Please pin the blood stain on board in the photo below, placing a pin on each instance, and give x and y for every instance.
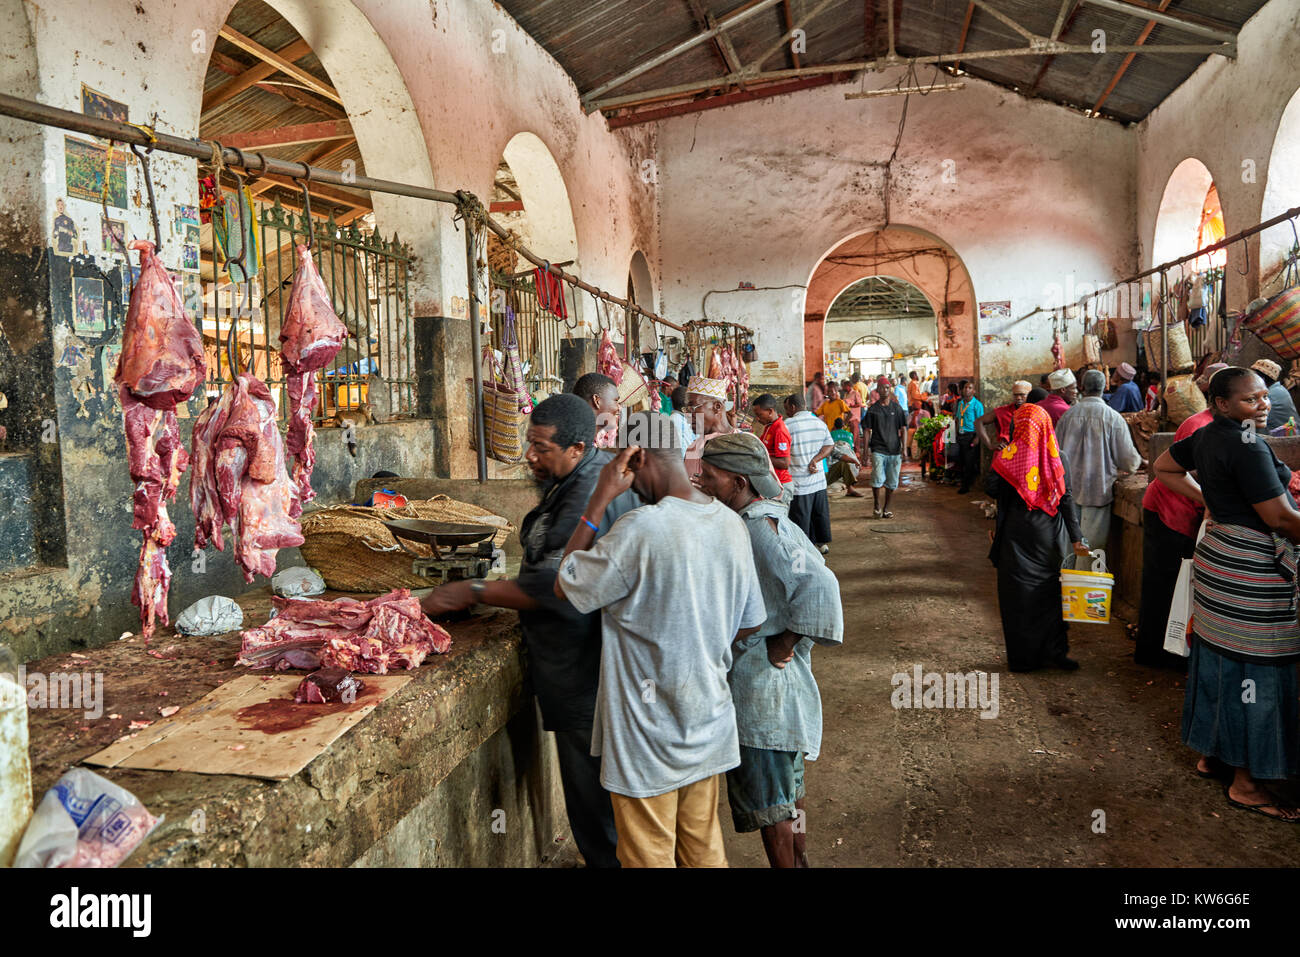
(284, 714)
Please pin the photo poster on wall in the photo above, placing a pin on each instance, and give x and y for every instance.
(995, 322)
(88, 306)
(112, 233)
(84, 165)
(94, 103)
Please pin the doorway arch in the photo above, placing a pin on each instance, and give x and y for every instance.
(1281, 192)
(1179, 221)
(915, 256)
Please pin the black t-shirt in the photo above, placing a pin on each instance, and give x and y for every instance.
(884, 421)
(1234, 474)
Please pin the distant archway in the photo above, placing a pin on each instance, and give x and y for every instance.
(1186, 218)
(910, 254)
(875, 313)
(640, 290)
(1281, 192)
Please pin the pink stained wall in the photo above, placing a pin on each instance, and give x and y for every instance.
(916, 257)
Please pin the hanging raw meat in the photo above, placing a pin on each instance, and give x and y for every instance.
(1058, 352)
(161, 364)
(309, 340)
(607, 359)
(240, 478)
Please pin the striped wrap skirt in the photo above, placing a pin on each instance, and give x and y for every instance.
(1244, 592)
(1240, 703)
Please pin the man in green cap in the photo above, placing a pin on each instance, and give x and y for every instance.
(778, 707)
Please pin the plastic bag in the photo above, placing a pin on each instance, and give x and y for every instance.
(214, 615)
(84, 821)
(300, 582)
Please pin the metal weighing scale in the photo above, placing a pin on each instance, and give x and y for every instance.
(460, 552)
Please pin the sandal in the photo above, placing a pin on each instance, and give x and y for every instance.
(875, 513)
(1217, 769)
(886, 514)
(1258, 809)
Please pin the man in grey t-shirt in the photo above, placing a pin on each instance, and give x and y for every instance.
(676, 585)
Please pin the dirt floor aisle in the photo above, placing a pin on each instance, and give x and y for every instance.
(944, 787)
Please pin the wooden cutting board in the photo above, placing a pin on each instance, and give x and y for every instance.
(249, 726)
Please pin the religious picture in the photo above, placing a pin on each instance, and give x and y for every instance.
(190, 257)
(65, 230)
(84, 167)
(88, 306)
(94, 103)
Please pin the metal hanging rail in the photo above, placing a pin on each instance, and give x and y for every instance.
(1291, 213)
(211, 150)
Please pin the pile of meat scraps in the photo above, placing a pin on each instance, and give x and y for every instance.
(240, 478)
(309, 340)
(372, 637)
(161, 364)
(329, 686)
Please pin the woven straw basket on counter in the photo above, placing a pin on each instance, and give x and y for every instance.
(353, 550)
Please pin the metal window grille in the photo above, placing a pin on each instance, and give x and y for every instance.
(538, 332)
(368, 278)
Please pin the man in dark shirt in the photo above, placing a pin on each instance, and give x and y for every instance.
(563, 644)
(885, 427)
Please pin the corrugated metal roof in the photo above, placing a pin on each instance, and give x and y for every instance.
(596, 42)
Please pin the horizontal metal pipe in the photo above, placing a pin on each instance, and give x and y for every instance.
(1168, 19)
(34, 112)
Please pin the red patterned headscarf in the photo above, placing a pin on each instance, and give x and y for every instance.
(1032, 460)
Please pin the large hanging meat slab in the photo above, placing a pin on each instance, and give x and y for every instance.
(161, 364)
(240, 479)
(309, 340)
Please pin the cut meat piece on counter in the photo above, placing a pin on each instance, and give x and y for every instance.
(240, 478)
(329, 685)
(161, 364)
(309, 340)
(372, 637)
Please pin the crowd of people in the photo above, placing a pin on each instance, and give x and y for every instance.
(673, 582)
(670, 592)
(1220, 497)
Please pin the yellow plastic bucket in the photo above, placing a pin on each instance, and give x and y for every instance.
(1085, 596)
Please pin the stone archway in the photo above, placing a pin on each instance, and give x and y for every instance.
(906, 253)
(1281, 192)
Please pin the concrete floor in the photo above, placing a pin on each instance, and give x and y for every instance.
(924, 788)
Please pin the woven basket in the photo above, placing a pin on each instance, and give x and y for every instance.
(1180, 351)
(354, 551)
(1183, 399)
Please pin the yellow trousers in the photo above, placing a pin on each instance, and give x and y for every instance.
(677, 829)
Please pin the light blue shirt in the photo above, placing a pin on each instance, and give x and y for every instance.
(968, 412)
(780, 709)
(901, 392)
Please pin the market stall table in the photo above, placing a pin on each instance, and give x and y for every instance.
(379, 774)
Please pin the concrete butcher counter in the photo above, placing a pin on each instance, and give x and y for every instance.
(451, 770)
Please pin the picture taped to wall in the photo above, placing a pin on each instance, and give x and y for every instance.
(108, 355)
(131, 277)
(192, 235)
(995, 317)
(113, 234)
(190, 258)
(84, 164)
(94, 103)
(88, 306)
(65, 230)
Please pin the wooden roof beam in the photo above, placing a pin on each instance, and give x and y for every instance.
(789, 28)
(271, 57)
(253, 75)
(965, 30)
(290, 135)
(1123, 67)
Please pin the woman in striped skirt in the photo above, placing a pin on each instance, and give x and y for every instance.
(1240, 708)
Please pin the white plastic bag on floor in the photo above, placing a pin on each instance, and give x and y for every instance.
(214, 615)
(84, 821)
(298, 582)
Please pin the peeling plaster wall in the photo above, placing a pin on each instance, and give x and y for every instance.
(1033, 198)
(434, 88)
(1225, 115)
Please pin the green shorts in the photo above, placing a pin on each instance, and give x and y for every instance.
(762, 791)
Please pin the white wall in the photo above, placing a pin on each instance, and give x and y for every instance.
(1035, 199)
(1225, 115)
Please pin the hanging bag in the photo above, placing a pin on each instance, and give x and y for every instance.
(1277, 322)
(513, 373)
(502, 421)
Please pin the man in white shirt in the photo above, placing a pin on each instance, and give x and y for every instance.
(676, 585)
(810, 443)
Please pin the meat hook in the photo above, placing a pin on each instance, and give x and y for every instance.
(148, 185)
(303, 184)
(243, 270)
